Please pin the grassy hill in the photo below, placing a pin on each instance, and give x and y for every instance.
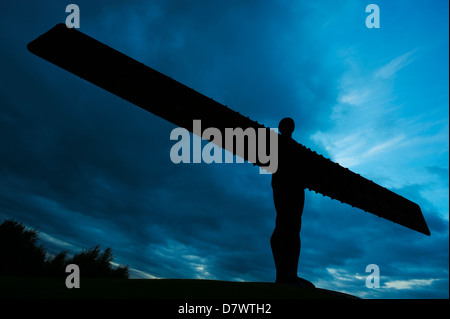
(186, 289)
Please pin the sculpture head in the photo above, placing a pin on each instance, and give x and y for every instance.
(286, 126)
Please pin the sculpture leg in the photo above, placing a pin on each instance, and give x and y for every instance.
(286, 252)
(285, 240)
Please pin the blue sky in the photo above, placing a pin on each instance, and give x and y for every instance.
(88, 168)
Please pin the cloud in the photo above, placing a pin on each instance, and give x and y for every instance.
(55, 241)
(139, 274)
(354, 149)
(388, 71)
(409, 284)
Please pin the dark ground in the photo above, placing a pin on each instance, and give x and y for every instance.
(51, 288)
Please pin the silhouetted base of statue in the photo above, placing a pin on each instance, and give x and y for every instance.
(286, 253)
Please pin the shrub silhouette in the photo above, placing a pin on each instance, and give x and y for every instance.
(22, 256)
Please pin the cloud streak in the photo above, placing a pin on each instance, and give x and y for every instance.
(389, 71)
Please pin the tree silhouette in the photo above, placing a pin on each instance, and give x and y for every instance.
(19, 249)
(56, 266)
(95, 263)
(21, 255)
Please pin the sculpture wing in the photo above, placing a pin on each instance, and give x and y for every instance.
(180, 105)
